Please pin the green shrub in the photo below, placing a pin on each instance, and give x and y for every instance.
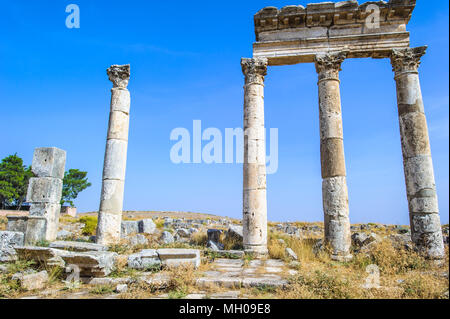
(90, 225)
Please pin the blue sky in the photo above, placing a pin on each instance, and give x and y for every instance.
(185, 64)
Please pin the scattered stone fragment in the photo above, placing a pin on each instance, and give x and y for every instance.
(32, 281)
(214, 235)
(63, 234)
(129, 227)
(9, 240)
(291, 254)
(145, 259)
(214, 246)
(121, 288)
(236, 232)
(138, 240)
(92, 264)
(166, 238)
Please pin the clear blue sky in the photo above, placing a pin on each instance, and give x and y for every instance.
(185, 60)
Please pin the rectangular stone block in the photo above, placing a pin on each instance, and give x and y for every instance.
(17, 223)
(115, 159)
(36, 230)
(178, 257)
(93, 263)
(77, 246)
(49, 162)
(44, 190)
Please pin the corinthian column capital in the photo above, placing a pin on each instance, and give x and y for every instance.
(119, 75)
(328, 65)
(404, 60)
(254, 69)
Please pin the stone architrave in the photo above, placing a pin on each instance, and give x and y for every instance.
(111, 202)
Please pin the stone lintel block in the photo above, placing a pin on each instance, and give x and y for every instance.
(115, 159)
(17, 223)
(118, 125)
(36, 230)
(44, 190)
(332, 157)
(8, 241)
(120, 100)
(335, 197)
(108, 228)
(414, 134)
(331, 126)
(49, 162)
(112, 196)
(254, 176)
(419, 175)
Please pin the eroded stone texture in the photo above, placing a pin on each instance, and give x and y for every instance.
(111, 201)
(419, 174)
(334, 185)
(8, 241)
(254, 190)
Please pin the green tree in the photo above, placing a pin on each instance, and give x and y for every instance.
(14, 177)
(75, 181)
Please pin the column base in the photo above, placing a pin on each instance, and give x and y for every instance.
(256, 251)
(342, 258)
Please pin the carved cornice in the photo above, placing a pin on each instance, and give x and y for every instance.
(119, 75)
(328, 14)
(328, 65)
(404, 60)
(254, 69)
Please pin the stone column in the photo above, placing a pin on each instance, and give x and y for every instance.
(44, 193)
(111, 202)
(334, 184)
(425, 223)
(254, 192)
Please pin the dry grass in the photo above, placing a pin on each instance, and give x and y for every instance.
(199, 238)
(3, 223)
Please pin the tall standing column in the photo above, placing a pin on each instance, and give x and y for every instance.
(111, 203)
(254, 193)
(419, 175)
(334, 184)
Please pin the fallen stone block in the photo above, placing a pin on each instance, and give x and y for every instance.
(166, 238)
(264, 282)
(147, 226)
(92, 264)
(105, 281)
(235, 231)
(63, 234)
(214, 246)
(138, 240)
(129, 227)
(214, 235)
(43, 256)
(8, 241)
(78, 246)
(32, 281)
(144, 260)
(225, 282)
(122, 288)
(173, 257)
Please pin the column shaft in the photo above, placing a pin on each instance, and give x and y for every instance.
(334, 184)
(425, 223)
(114, 167)
(254, 191)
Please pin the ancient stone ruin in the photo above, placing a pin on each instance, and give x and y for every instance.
(326, 34)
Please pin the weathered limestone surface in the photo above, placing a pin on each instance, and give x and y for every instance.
(93, 263)
(111, 202)
(44, 193)
(419, 174)
(254, 194)
(77, 246)
(334, 185)
(145, 259)
(8, 241)
(295, 34)
(172, 257)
